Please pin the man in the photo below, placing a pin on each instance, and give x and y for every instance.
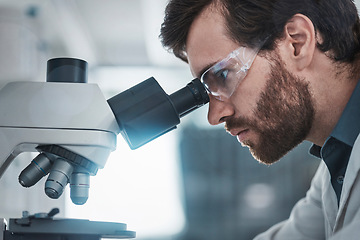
(279, 72)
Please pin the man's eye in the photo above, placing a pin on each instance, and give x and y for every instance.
(222, 75)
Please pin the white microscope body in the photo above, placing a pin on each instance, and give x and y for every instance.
(70, 116)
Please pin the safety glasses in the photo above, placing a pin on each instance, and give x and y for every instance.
(223, 78)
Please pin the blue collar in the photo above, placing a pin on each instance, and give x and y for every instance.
(348, 127)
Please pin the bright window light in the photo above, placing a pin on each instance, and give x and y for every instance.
(141, 188)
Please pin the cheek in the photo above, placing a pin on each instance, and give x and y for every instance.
(245, 100)
(249, 90)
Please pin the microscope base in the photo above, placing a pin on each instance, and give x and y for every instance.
(45, 227)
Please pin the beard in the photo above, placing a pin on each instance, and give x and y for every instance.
(283, 116)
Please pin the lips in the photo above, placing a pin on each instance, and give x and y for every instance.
(241, 137)
(240, 134)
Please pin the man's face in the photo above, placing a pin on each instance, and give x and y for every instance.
(270, 111)
(281, 120)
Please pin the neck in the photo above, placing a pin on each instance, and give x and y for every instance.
(331, 92)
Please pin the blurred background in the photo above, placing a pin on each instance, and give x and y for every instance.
(193, 183)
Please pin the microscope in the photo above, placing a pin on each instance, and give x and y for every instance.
(73, 128)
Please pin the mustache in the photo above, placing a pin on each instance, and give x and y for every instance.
(237, 122)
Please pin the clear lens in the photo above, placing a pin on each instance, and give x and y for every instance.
(222, 79)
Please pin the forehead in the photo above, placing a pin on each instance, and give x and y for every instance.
(208, 41)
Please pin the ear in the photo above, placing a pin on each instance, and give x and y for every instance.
(300, 40)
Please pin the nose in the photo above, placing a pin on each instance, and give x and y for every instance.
(219, 110)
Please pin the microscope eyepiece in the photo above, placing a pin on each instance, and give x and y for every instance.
(189, 98)
(145, 112)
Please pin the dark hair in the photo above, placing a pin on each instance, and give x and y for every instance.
(179, 15)
(252, 21)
